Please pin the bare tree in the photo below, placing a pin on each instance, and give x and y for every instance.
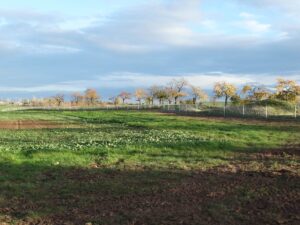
(161, 95)
(198, 93)
(157, 92)
(77, 98)
(48, 101)
(124, 96)
(59, 99)
(152, 94)
(116, 100)
(176, 88)
(171, 93)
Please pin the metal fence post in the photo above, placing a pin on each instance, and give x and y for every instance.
(295, 111)
(225, 111)
(266, 111)
(243, 110)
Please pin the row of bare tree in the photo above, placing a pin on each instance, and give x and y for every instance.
(179, 90)
(89, 97)
(173, 92)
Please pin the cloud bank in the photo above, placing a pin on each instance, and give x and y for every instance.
(255, 40)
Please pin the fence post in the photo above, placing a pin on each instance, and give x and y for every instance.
(224, 110)
(243, 110)
(266, 111)
(295, 111)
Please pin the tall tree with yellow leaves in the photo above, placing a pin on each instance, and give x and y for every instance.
(287, 90)
(226, 90)
(140, 94)
(91, 96)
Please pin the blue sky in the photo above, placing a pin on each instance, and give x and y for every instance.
(55, 46)
(70, 7)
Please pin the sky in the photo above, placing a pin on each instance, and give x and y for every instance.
(55, 46)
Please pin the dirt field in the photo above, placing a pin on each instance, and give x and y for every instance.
(29, 124)
(212, 197)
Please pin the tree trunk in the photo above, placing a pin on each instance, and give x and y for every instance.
(226, 100)
(194, 101)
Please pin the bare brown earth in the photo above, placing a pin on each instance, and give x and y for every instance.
(233, 195)
(29, 124)
(211, 197)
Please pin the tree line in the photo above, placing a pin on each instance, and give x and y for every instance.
(180, 91)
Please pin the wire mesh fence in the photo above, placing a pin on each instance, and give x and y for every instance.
(260, 111)
(205, 109)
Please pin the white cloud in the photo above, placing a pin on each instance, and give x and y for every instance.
(40, 49)
(210, 24)
(290, 6)
(126, 80)
(45, 88)
(142, 29)
(146, 80)
(283, 14)
(250, 23)
(256, 27)
(7, 45)
(149, 26)
(77, 24)
(3, 22)
(247, 15)
(52, 49)
(31, 32)
(160, 37)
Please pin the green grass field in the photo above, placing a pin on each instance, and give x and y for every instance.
(127, 167)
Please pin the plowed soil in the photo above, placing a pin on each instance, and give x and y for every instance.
(205, 198)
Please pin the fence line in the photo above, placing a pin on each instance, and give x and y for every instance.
(207, 109)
